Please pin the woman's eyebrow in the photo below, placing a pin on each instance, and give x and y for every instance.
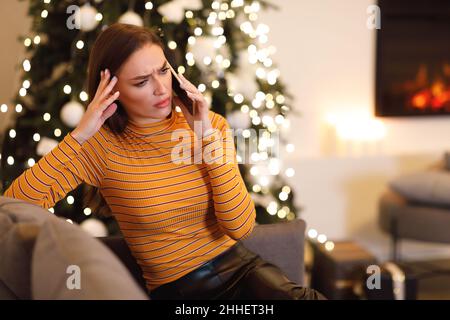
(148, 75)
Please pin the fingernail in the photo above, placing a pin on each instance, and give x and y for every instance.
(106, 71)
(114, 78)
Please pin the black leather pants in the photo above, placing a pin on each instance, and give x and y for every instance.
(239, 274)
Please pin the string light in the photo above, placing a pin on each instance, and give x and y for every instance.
(67, 89)
(172, 45)
(19, 108)
(57, 132)
(191, 40)
(189, 14)
(12, 133)
(290, 172)
(237, 3)
(198, 31)
(26, 65)
(256, 121)
(286, 189)
(230, 14)
(37, 40)
(31, 162)
(99, 16)
(10, 160)
(282, 213)
(256, 188)
(207, 60)
(181, 69)
(70, 200)
(27, 42)
(280, 99)
(4, 108)
(44, 14)
(87, 211)
(226, 63)
(215, 5)
(239, 98)
(283, 196)
(215, 84)
(23, 92)
(149, 5)
(272, 208)
(217, 31)
(46, 116)
(201, 87)
(83, 96)
(329, 245)
(36, 137)
(290, 147)
(245, 108)
(321, 238)
(80, 44)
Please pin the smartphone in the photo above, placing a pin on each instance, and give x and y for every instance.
(181, 93)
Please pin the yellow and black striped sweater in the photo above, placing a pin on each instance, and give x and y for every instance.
(175, 212)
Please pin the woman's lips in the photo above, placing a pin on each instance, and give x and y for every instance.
(163, 104)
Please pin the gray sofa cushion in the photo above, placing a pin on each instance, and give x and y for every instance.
(38, 250)
(429, 187)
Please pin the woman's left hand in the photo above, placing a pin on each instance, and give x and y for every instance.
(200, 108)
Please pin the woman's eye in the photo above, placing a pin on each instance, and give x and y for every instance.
(140, 84)
(164, 70)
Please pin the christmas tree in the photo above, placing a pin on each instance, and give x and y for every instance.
(218, 45)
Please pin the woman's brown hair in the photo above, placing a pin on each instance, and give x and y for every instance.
(111, 49)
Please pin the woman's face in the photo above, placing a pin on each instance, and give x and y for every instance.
(144, 81)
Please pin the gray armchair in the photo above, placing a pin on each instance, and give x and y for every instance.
(404, 219)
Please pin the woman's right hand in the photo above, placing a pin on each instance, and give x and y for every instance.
(100, 109)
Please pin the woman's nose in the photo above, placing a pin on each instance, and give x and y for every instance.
(159, 87)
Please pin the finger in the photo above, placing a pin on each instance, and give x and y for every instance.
(195, 96)
(108, 88)
(186, 84)
(109, 111)
(104, 76)
(110, 100)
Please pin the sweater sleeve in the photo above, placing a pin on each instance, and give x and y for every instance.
(62, 170)
(234, 208)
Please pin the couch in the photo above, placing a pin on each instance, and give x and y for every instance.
(45, 257)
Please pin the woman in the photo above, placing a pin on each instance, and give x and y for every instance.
(181, 219)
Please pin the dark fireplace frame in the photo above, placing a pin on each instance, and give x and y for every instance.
(392, 9)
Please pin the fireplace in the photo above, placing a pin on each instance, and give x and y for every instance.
(413, 58)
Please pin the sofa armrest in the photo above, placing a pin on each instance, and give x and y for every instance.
(281, 244)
